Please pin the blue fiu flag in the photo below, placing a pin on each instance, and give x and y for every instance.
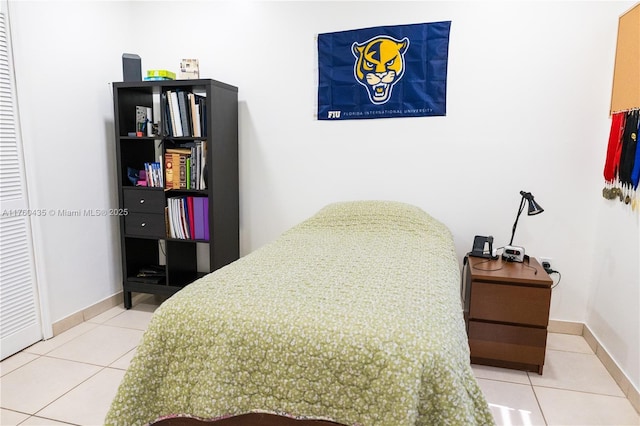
(381, 72)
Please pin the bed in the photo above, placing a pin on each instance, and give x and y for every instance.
(351, 317)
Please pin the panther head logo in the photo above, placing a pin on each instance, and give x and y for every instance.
(379, 65)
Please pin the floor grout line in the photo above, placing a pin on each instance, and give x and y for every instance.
(76, 361)
(20, 366)
(535, 395)
(579, 391)
(64, 394)
(31, 416)
(26, 350)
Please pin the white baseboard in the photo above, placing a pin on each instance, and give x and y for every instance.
(87, 313)
(580, 329)
(98, 308)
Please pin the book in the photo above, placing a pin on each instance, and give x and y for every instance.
(177, 155)
(195, 115)
(177, 213)
(183, 216)
(177, 217)
(198, 164)
(183, 172)
(174, 108)
(166, 115)
(183, 151)
(160, 75)
(176, 170)
(188, 171)
(168, 170)
(157, 79)
(157, 174)
(185, 114)
(190, 215)
(202, 173)
(203, 116)
(160, 170)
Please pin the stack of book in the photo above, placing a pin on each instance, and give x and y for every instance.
(186, 167)
(153, 175)
(159, 75)
(184, 113)
(188, 218)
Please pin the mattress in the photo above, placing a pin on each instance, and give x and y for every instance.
(352, 316)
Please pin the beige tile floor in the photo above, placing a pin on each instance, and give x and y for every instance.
(72, 378)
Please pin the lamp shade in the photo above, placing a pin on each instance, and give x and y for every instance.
(534, 208)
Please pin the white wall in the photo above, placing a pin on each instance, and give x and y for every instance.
(613, 312)
(528, 97)
(66, 54)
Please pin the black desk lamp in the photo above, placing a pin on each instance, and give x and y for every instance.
(514, 253)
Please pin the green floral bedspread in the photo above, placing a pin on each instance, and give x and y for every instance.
(353, 316)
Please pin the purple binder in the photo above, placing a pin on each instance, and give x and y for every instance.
(205, 212)
(198, 218)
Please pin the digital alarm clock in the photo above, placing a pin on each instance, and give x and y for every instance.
(513, 254)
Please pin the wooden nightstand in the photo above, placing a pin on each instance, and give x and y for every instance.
(507, 312)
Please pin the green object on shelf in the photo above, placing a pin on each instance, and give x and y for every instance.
(163, 74)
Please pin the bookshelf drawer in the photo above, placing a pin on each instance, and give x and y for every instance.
(140, 200)
(145, 224)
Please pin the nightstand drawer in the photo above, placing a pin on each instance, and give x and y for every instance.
(140, 200)
(145, 224)
(510, 303)
(507, 342)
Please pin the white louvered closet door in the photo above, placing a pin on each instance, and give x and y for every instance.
(20, 324)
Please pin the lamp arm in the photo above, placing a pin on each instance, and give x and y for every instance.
(513, 231)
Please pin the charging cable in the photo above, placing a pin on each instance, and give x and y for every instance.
(548, 270)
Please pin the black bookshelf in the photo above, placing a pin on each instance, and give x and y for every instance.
(153, 261)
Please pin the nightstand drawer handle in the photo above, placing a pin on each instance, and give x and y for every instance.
(142, 201)
(143, 224)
